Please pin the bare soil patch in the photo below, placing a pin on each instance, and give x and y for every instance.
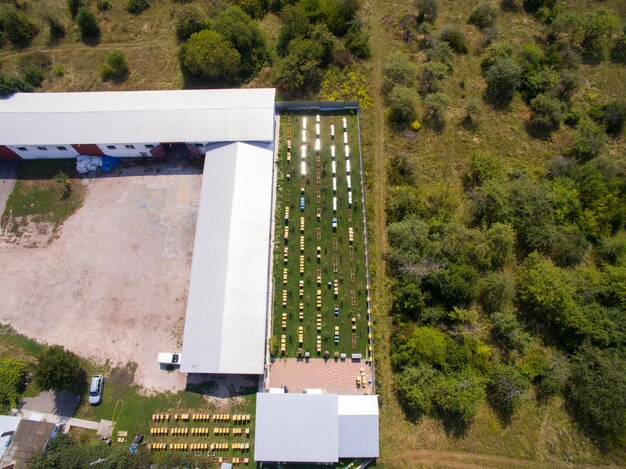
(113, 283)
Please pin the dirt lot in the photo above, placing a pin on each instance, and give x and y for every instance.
(113, 284)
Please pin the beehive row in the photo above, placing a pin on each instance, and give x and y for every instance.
(221, 417)
(159, 431)
(179, 431)
(241, 418)
(201, 431)
(179, 446)
(241, 446)
(221, 431)
(160, 417)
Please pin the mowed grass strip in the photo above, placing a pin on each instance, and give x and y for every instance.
(336, 262)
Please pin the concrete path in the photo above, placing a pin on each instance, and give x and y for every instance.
(8, 176)
(103, 428)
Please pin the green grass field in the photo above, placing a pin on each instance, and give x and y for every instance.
(339, 260)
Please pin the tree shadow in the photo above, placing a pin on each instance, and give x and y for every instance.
(453, 425)
(538, 131)
(504, 414)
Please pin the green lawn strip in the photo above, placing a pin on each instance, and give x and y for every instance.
(289, 193)
(37, 195)
(137, 410)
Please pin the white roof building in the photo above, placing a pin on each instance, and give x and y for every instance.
(223, 115)
(315, 428)
(228, 298)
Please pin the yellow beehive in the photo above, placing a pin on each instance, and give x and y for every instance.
(301, 289)
(351, 234)
(301, 225)
(285, 276)
(301, 265)
(284, 298)
(318, 251)
(336, 288)
(286, 214)
(301, 315)
(319, 214)
(286, 254)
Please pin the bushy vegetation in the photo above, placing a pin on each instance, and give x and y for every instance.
(88, 25)
(60, 370)
(115, 67)
(12, 375)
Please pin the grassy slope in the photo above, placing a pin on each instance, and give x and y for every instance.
(539, 432)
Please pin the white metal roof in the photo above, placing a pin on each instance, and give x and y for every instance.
(8, 425)
(296, 428)
(137, 117)
(315, 428)
(228, 289)
(358, 426)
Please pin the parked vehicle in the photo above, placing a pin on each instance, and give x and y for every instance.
(168, 358)
(135, 444)
(95, 389)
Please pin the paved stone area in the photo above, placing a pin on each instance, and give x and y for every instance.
(334, 377)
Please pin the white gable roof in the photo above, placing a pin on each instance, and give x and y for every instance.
(137, 117)
(228, 289)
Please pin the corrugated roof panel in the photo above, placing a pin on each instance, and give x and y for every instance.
(296, 428)
(137, 117)
(228, 289)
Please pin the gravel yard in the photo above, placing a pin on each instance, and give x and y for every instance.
(112, 284)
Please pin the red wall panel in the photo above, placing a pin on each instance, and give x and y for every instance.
(88, 149)
(7, 153)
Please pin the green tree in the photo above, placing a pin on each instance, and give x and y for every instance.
(295, 24)
(459, 395)
(548, 112)
(425, 345)
(506, 389)
(589, 140)
(59, 370)
(596, 28)
(255, 8)
(87, 24)
(12, 373)
(299, 73)
(597, 393)
(427, 11)
(399, 71)
(494, 53)
(455, 38)
(484, 167)
(435, 110)
(244, 33)
(416, 387)
(403, 102)
(136, 7)
(33, 67)
(502, 78)
(208, 56)
(115, 67)
(19, 28)
(189, 20)
(484, 16)
(457, 285)
(618, 51)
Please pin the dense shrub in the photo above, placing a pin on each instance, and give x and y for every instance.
(511, 5)
(12, 373)
(459, 395)
(408, 301)
(403, 102)
(74, 6)
(20, 30)
(494, 53)
(613, 115)
(402, 202)
(431, 73)
(435, 109)
(501, 241)
(416, 387)
(455, 38)
(255, 8)
(104, 5)
(502, 78)
(358, 43)
(295, 23)
(497, 291)
(506, 388)
(483, 16)
(400, 170)
(472, 116)
(427, 11)
(137, 6)
(618, 51)
(483, 167)
(56, 28)
(547, 112)
(457, 285)
(189, 20)
(59, 370)
(33, 68)
(115, 67)
(11, 85)
(87, 24)
(299, 73)
(589, 140)
(425, 345)
(399, 70)
(508, 332)
(441, 52)
(597, 393)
